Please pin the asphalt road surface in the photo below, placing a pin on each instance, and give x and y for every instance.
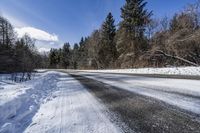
(146, 104)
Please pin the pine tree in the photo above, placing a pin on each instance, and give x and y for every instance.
(52, 58)
(108, 28)
(131, 40)
(75, 56)
(108, 52)
(135, 17)
(66, 55)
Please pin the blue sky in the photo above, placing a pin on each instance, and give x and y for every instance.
(69, 20)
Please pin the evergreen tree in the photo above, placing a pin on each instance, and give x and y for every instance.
(131, 40)
(51, 58)
(107, 49)
(75, 57)
(108, 28)
(82, 42)
(54, 58)
(135, 17)
(66, 55)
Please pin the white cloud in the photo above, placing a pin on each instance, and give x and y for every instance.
(13, 20)
(44, 40)
(36, 34)
(44, 50)
(45, 46)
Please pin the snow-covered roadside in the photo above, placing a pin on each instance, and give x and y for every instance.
(10, 89)
(19, 102)
(194, 71)
(73, 110)
(16, 77)
(53, 102)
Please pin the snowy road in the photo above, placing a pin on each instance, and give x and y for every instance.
(54, 103)
(147, 105)
(83, 102)
(182, 93)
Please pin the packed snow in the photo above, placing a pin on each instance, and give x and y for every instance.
(194, 71)
(183, 93)
(53, 102)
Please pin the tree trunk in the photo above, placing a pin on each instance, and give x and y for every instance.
(178, 58)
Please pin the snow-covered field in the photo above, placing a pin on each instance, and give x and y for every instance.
(195, 71)
(53, 102)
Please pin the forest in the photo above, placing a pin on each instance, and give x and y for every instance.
(139, 40)
(17, 54)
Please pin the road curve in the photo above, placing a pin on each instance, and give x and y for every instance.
(148, 104)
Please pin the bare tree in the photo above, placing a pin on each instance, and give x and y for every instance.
(7, 35)
(194, 11)
(164, 24)
(152, 28)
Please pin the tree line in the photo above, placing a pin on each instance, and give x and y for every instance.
(139, 40)
(17, 55)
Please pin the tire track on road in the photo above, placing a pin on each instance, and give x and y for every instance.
(140, 113)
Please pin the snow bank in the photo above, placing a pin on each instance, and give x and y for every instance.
(19, 102)
(193, 71)
(53, 102)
